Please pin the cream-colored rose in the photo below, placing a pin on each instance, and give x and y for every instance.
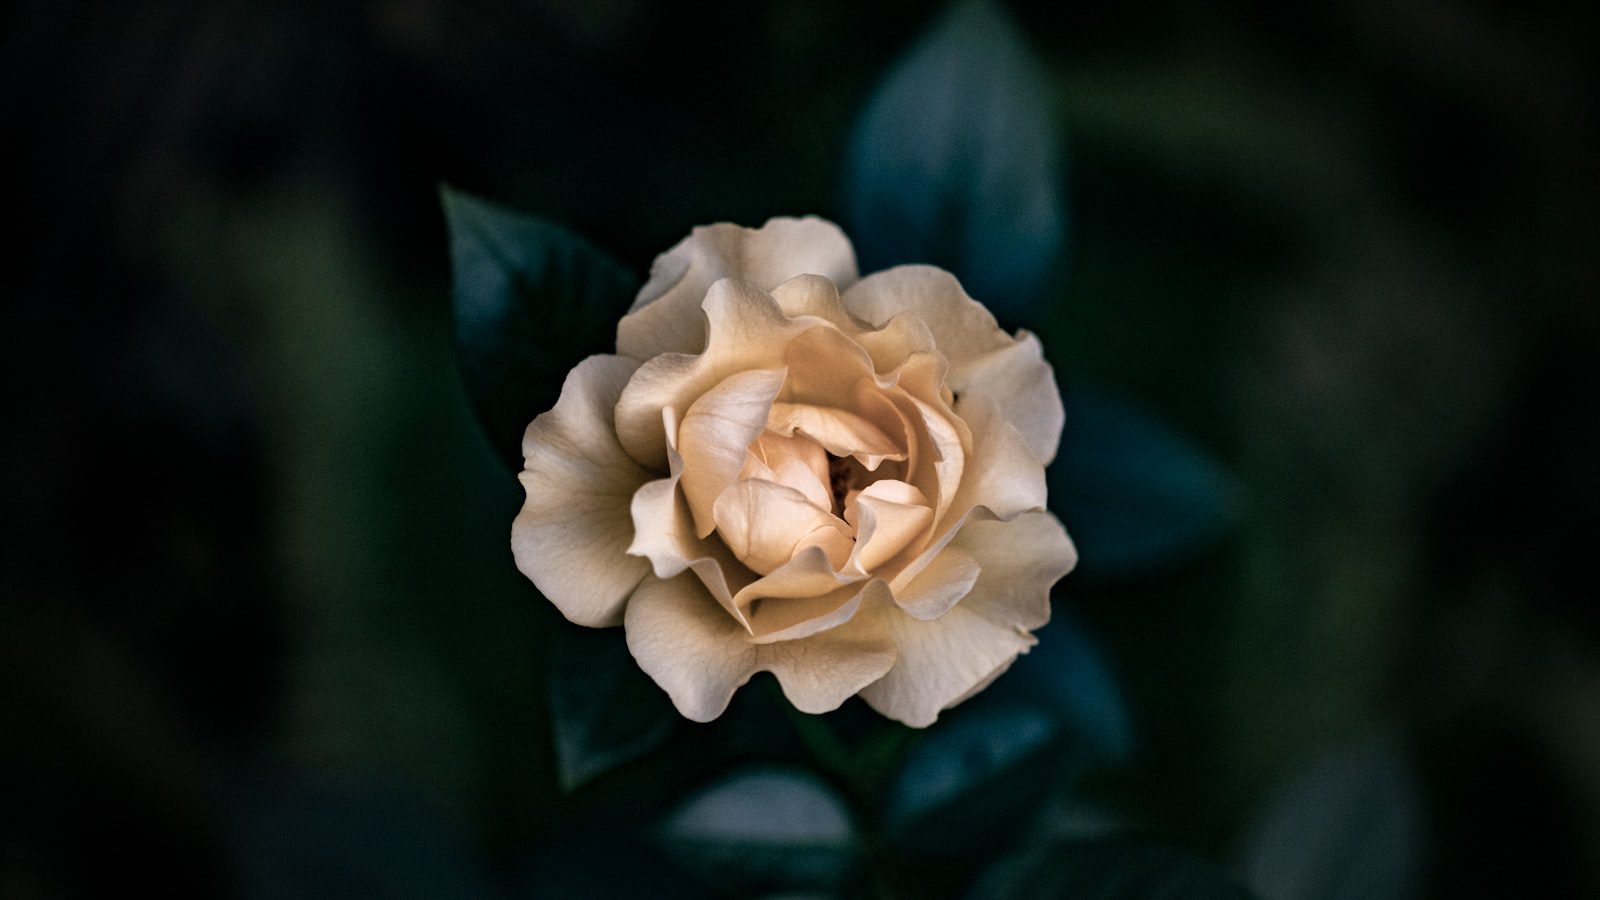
(789, 469)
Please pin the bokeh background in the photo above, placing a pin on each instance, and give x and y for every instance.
(263, 633)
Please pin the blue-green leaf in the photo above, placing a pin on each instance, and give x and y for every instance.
(1136, 496)
(972, 777)
(1350, 826)
(1068, 674)
(604, 711)
(531, 300)
(955, 162)
(764, 829)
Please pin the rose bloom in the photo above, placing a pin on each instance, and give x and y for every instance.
(788, 468)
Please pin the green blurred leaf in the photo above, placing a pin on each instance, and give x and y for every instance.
(531, 301)
(1347, 827)
(604, 710)
(764, 829)
(1135, 495)
(971, 779)
(1066, 672)
(1115, 869)
(955, 163)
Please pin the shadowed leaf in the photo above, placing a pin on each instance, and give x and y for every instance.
(531, 300)
(954, 162)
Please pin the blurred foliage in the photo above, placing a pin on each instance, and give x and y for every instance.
(1348, 251)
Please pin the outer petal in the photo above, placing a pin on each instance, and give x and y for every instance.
(572, 536)
(946, 660)
(1002, 473)
(665, 317)
(699, 656)
(1022, 386)
(748, 331)
(984, 360)
(961, 326)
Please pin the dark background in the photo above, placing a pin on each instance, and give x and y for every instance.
(259, 568)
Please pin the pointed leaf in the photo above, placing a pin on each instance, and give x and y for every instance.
(955, 162)
(1135, 495)
(971, 779)
(1067, 673)
(604, 711)
(531, 300)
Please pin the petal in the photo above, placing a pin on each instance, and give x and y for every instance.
(820, 672)
(815, 295)
(572, 535)
(763, 523)
(840, 432)
(688, 645)
(939, 451)
(893, 342)
(748, 331)
(797, 462)
(805, 595)
(682, 640)
(939, 585)
(664, 534)
(666, 318)
(961, 327)
(1022, 386)
(715, 437)
(939, 661)
(1002, 473)
(946, 660)
(1020, 559)
(889, 515)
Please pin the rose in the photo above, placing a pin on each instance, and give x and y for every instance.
(844, 490)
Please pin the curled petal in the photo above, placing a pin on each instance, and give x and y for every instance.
(941, 584)
(763, 523)
(748, 331)
(815, 295)
(572, 534)
(716, 434)
(889, 515)
(841, 432)
(796, 462)
(681, 638)
(665, 317)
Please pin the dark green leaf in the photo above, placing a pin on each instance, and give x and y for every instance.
(1348, 827)
(1135, 495)
(1067, 673)
(764, 829)
(1114, 869)
(955, 163)
(604, 711)
(531, 301)
(972, 777)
